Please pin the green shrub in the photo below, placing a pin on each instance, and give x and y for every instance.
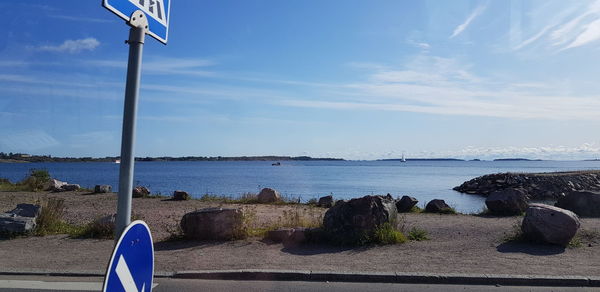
(50, 220)
(387, 234)
(417, 234)
(102, 229)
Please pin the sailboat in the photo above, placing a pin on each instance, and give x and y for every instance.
(403, 159)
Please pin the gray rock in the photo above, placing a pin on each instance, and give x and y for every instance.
(140, 192)
(69, 188)
(19, 220)
(11, 223)
(550, 224)
(583, 203)
(406, 203)
(181, 196)
(297, 238)
(213, 224)
(99, 189)
(349, 220)
(437, 206)
(279, 235)
(268, 195)
(510, 201)
(326, 201)
(54, 185)
(26, 210)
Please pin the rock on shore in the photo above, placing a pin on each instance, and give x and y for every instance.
(551, 185)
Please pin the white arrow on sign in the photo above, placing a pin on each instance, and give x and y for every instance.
(125, 276)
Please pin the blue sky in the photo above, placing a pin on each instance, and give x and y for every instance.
(350, 79)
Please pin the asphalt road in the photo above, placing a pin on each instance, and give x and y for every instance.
(38, 283)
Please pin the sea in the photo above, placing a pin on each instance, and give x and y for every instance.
(424, 180)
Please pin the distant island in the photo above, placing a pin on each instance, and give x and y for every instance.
(516, 159)
(422, 159)
(20, 157)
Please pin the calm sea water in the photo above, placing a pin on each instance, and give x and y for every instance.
(424, 180)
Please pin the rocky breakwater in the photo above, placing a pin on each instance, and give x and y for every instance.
(537, 186)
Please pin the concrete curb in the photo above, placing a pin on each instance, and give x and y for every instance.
(413, 278)
(359, 277)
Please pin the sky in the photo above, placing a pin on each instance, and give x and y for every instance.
(341, 78)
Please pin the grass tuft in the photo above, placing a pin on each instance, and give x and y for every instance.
(387, 234)
(418, 234)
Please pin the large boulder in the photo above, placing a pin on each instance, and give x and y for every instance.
(19, 220)
(437, 206)
(406, 203)
(268, 195)
(549, 224)
(349, 220)
(99, 189)
(326, 201)
(140, 192)
(511, 201)
(181, 196)
(54, 185)
(213, 224)
(583, 203)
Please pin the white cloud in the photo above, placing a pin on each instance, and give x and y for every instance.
(73, 46)
(459, 29)
(445, 86)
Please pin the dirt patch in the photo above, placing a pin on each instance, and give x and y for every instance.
(458, 244)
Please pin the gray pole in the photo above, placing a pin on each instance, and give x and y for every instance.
(137, 33)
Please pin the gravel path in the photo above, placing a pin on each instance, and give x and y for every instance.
(458, 244)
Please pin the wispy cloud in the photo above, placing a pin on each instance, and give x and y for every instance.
(73, 46)
(459, 29)
(446, 86)
(80, 19)
(165, 66)
(575, 26)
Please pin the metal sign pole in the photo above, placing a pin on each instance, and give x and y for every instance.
(137, 32)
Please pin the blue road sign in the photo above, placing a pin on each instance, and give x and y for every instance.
(157, 13)
(131, 267)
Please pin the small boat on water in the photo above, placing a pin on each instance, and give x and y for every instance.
(117, 161)
(403, 159)
(276, 164)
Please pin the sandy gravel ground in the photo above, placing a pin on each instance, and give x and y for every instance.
(458, 244)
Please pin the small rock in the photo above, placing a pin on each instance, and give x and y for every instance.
(140, 192)
(279, 235)
(54, 185)
(297, 238)
(326, 201)
(181, 196)
(268, 195)
(437, 206)
(550, 224)
(19, 220)
(406, 203)
(70, 188)
(99, 189)
(213, 224)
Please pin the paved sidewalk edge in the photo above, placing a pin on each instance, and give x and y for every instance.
(414, 278)
(363, 277)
